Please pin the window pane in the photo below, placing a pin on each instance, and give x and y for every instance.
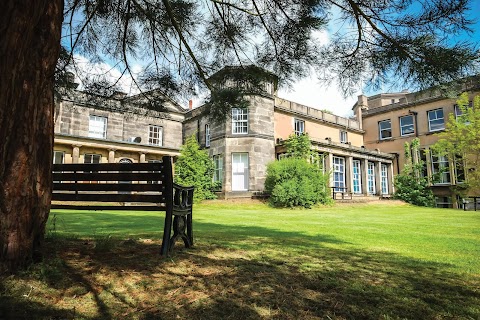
(97, 127)
(155, 135)
(406, 125)
(385, 129)
(435, 120)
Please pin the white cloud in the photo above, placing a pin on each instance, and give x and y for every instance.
(311, 93)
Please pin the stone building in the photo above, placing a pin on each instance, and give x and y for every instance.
(90, 129)
(391, 119)
(242, 146)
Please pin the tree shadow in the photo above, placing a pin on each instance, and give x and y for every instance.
(249, 272)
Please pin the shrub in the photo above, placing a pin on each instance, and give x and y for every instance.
(195, 168)
(294, 182)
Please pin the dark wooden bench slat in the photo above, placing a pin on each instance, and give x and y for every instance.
(104, 185)
(108, 187)
(157, 166)
(113, 207)
(109, 197)
(108, 176)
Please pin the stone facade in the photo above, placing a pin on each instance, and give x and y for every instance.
(426, 113)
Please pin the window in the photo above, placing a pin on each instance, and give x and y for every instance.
(384, 178)
(459, 112)
(459, 169)
(357, 177)
(423, 158)
(385, 129)
(343, 136)
(153, 161)
(97, 127)
(440, 169)
(207, 135)
(218, 168)
(155, 135)
(371, 178)
(58, 157)
(239, 121)
(299, 127)
(406, 125)
(318, 159)
(435, 120)
(92, 158)
(339, 173)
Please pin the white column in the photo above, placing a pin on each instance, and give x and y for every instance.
(349, 173)
(111, 155)
(391, 187)
(142, 157)
(365, 177)
(329, 168)
(378, 178)
(75, 153)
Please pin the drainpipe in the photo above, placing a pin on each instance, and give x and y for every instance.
(414, 113)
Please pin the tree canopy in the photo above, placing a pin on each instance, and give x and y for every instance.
(181, 43)
(460, 141)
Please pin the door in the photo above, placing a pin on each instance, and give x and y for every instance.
(239, 171)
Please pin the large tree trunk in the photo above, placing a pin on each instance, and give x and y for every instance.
(29, 46)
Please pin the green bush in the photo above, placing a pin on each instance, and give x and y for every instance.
(294, 182)
(195, 168)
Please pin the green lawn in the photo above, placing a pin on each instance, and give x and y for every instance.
(250, 261)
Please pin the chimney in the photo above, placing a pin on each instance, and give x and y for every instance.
(362, 104)
(190, 104)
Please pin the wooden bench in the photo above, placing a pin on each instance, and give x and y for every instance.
(127, 186)
(343, 192)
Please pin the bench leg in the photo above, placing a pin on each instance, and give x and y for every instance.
(179, 228)
(167, 231)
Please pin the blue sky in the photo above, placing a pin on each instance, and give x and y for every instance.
(310, 93)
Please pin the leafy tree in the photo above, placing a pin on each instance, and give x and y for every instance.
(461, 140)
(181, 43)
(299, 146)
(410, 185)
(195, 168)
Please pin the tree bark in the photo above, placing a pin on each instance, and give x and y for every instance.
(29, 47)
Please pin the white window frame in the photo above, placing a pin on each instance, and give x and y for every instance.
(218, 168)
(155, 135)
(92, 157)
(442, 163)
(357, 176)
(437, 118)
(97, 127)
(339, 173)
(371, 178)
(58, 155)
(384, 178)
(207, 135)
(239, 121)
(405, 127)
(381, 129)
(343, 136)
(298, 126)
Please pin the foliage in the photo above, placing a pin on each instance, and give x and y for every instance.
(299, 146)
(410, 185)
(195, 168)
(294, 182)
(183, 42)
(461, 139)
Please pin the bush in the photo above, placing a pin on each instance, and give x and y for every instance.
(294, 182)
(195, 168)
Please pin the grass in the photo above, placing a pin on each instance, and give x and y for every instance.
(250, 261)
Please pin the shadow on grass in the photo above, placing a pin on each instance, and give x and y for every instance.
(234, 272)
